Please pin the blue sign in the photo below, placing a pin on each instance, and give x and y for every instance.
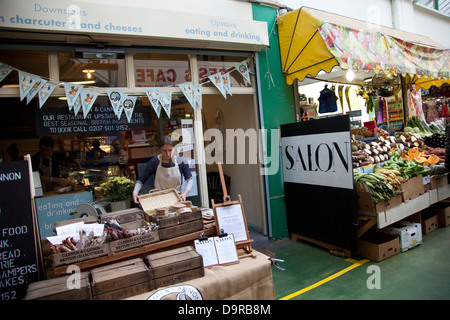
(58, 208)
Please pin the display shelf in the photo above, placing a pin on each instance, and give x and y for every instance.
(410, 207)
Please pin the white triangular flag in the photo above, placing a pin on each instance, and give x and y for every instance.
(26, 82)
(188, 90)
(216, 79)
(243, 70)
(77, 105)
(45, 92)
(35, 89)
(128, 106)
(198, 95)
(4, 71)
(115, 97)
(72, 93)
(153, 96)
(165, 99)
(88, 98)
(227, 82)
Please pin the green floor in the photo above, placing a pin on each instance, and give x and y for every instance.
(312, 273)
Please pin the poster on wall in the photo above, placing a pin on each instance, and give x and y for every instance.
(18, 259)
(317, 172)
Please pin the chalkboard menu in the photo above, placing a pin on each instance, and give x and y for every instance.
(51, 121)
(18, 261)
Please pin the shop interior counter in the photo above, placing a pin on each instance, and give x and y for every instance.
(250, 279)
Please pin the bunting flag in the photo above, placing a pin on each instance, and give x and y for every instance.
(35, 89)
(198, 95)
(153, 96)
(88, 98)
(165, 99)
(72, 93)
(227, 82)
(115, 97)
(243, 70)
(216, 79)
(77, 105)
(45, 92)
(26, 82)
(4, 71)
(188, 90)
(128, 104)
(77, 98)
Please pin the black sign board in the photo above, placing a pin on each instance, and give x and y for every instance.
(318, 181)
(51, 121)
(18, 261)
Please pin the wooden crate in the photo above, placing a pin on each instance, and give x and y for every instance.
(176, 265)
(121, 280)
(130, 219)
(160, 199)
(123, 216)
(165, 222)
(180, 230)
(60, 259)
(58, 289)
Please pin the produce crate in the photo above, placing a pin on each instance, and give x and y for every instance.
(174, 225)
(413, 188)
(174, 266)
(159, 199)
(64, 258)
(365, 203)
(442, 209)
(430, 221)
(58, 289)
(130, 219)
(378, 246)
(409, 234)
(438, 180)
(121, 280)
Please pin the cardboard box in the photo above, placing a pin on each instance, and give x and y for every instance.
(409, 234)
(429, 220)
(364, 200)
(438, 180)
(378, 246)
(443, 211)
(58, 289)
(413, 188)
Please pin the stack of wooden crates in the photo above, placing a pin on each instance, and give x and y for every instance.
(123, 279)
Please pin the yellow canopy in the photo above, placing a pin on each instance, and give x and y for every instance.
(312, 40)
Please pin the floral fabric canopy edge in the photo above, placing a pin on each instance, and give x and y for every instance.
(363, 50)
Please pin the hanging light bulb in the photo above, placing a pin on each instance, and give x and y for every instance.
(350, 75)
(88, 72)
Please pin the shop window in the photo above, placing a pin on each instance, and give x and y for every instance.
(35, 62)
(160, 69)
(209, 65)
(97, 72)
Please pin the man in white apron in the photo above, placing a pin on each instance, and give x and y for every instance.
(168, 170)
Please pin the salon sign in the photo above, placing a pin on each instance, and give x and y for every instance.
(91, 17)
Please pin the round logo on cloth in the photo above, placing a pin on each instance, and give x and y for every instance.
(184, 292)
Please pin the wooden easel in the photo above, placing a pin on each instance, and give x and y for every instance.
(244, 245)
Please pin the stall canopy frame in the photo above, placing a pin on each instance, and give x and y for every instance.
(313, 40)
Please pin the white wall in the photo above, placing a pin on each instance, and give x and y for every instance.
(399, 14)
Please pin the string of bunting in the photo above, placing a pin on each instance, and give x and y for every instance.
(83, 98)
